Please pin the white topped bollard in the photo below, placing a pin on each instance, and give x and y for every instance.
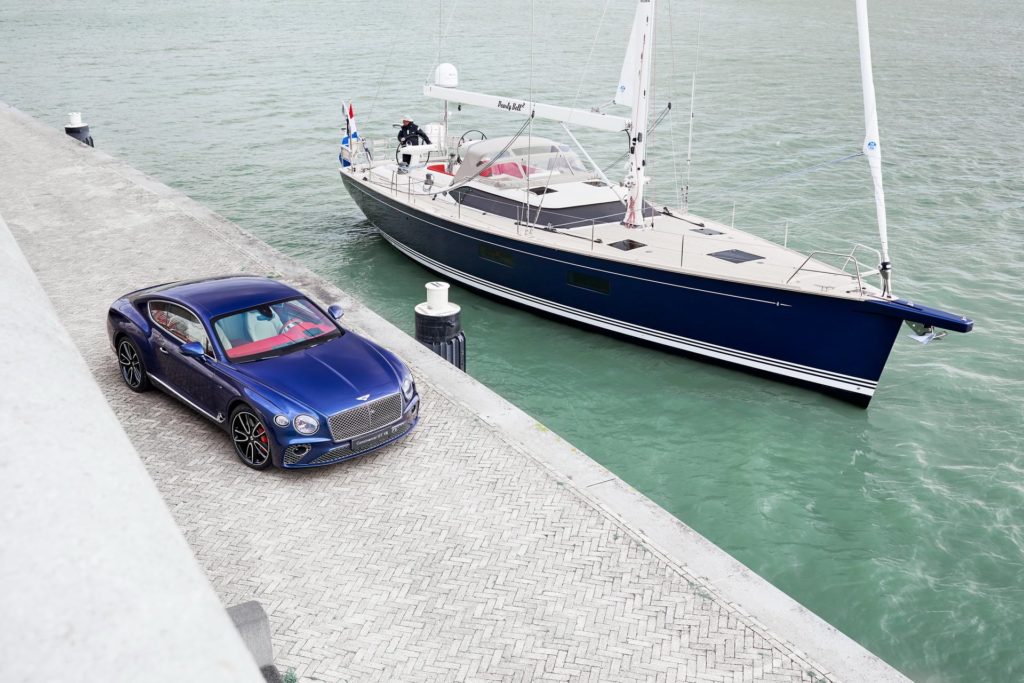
(438, 325)
(78, 130)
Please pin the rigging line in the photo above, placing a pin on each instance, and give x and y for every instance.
(380, 80)
(529, 138)
(547, 180)
(671, 98)
(802, 171)
(497, 157)
(693, 92)
(593, 46)
(661, 117)
(653, 82)
(442, 35)
(798, 172)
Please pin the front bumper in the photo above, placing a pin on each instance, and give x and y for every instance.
(301, 453)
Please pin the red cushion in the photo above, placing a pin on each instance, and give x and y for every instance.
(296, 333)
(508, 168)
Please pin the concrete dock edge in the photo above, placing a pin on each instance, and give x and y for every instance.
(730, 582)
(98, 581)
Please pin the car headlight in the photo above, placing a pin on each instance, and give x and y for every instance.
(306, 424)
(408, 387)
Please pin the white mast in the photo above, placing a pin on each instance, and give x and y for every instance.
(634, 83)
(872, 144)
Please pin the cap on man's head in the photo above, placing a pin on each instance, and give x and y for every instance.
(407, 118)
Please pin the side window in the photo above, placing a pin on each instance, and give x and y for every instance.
(591, 282)
(180, 323)
(491, 253)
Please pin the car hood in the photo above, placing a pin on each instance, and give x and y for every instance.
(328, 377)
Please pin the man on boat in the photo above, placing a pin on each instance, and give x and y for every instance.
(410, 135)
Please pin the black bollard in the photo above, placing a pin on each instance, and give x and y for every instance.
(77, 129)
(438, 325)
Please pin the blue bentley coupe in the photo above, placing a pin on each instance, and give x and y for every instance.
(290, 385)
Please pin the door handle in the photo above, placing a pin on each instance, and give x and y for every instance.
(162, 349)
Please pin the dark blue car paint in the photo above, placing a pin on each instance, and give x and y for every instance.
(320, 380)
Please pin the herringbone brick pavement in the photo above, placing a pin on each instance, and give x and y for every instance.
(451, 556)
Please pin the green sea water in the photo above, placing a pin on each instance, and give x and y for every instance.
(902, 524)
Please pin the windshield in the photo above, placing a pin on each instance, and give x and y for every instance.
(273, 329)
(541, 161)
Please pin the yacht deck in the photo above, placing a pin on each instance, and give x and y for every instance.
(675, 242)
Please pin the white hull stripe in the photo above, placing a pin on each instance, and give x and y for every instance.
(764, 363)
(803, 373)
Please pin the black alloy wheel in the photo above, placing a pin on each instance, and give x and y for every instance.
(251, 439)
(129, 361)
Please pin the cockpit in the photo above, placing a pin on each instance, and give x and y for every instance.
(526, 162)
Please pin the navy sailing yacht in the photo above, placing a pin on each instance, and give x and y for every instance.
(535, 222)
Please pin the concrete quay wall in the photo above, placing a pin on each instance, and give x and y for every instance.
(482, 547)
(98, 583)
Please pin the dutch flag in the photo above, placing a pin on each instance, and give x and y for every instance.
(351, 134)
(350, 126)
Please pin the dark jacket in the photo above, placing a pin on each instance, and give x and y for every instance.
(410, 134)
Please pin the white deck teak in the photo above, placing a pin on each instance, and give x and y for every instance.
(670, 242)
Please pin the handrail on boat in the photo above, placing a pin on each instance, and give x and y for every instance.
(849, 258)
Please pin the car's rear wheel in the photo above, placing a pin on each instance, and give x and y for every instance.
(129, 361)
(251, 439)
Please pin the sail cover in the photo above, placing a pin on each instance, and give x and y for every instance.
(629, 79)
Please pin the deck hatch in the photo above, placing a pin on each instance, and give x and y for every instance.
(627, 245)
(736, 256)
(542, 190)
(708, 231)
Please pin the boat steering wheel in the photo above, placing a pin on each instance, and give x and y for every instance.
(471, 135)
(400, 150)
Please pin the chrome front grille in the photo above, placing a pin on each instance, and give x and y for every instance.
(365, 418)
(343, 452)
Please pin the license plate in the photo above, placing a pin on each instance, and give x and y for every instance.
(374, 439)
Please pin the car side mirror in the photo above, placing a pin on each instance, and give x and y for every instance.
(335, 311)
(192, 349)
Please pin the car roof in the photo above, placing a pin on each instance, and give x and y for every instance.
(212, 297)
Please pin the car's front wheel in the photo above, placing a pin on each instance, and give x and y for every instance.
(129, 361)
(251, 439)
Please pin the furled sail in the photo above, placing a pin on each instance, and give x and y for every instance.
(872, 143)
(629, 78)
(633, 92)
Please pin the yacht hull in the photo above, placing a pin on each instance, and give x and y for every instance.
(832, 344)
